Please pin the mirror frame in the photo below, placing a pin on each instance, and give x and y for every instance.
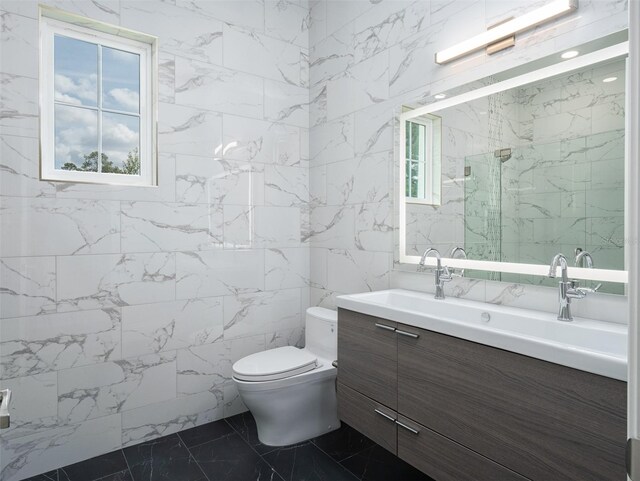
(605, 275)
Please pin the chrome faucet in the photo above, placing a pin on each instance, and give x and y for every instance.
(442, 272)
(463, 255)
(583, 259)
(5, 417)
(567, 289)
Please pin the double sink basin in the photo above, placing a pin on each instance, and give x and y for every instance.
(589, 345)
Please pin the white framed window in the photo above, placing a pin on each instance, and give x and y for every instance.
(97, 102)
(422, 161)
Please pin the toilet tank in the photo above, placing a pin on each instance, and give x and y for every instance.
(321, 332)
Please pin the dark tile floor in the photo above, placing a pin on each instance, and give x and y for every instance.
(229, 450)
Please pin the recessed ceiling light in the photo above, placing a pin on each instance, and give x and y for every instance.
(570, 54)
(609, 79)
(440, 96)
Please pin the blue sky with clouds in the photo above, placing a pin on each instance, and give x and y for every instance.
(76, 83)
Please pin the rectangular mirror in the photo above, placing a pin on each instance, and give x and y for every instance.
(519, 167)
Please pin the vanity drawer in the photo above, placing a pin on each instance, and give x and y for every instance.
(368, 356)
(446, 460)
(542, 420)
(372, 419)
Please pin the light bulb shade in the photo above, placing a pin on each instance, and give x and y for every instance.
(524, 22)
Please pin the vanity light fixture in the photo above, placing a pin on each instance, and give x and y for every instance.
(524, 22)
(439, 96)
(609, 79)
(570, 54)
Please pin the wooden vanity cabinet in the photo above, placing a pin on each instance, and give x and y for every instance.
(368, 356)
(446, 460)
(374, 420)
(480, 413)
(543, 420)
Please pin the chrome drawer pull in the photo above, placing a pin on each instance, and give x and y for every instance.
(388, 328)
(408, 334)
(408, 428)
(385, 415)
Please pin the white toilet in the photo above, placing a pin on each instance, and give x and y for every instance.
(291, 392)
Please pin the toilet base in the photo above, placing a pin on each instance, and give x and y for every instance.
(292, 414)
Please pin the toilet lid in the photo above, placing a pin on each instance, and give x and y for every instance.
(274, 364)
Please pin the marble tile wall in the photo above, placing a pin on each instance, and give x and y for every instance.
(367, 59)
(122, 309)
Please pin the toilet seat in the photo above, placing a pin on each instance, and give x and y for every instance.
(274, 364)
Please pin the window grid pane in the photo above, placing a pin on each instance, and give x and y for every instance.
(416, 137)
(422, 172)
(407, 188)
(409, 192)
(121, 143)
(76, 138)
(415, 159)
(415, 178)
(120, 80)
(75, 71)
